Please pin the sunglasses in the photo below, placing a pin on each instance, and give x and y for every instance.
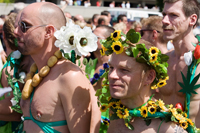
(24, 27)
(142, 31)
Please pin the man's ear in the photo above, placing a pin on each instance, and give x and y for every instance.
(155, 34)
(193, 20)
(50, 29)
(150, 76)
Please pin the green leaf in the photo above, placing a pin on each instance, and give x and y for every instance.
(104, 90)
(130, 126)
(194, 44)
(164, 58)
(133, 36)
(147, 121)
(114, 116)
(98, 92)
(85, 61)
(194, 81)
(141, 59)
(135, 52)
(196, 87)
(129, 52)
(91, 62)
(173, 119)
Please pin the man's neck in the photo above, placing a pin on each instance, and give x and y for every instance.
(138, 100)
(184, 44)
(42, 56)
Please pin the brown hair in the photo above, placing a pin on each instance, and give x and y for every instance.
(154, 23)
(189, 7)
(8, 29)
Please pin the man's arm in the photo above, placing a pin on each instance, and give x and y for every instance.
(76, 97)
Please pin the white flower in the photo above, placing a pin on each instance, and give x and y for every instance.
(72, 37)
(13, 101)
(22, 75)
(85, 41)
(22, 118)
(188, 57)
(5, 90)
(16, 54)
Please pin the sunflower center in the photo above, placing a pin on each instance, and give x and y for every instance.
(105, 122)
(144, 111)
(103, 107)
(114, 105)
(115, 35)
(153, 57)
(121, 105)
(71, 39)
(153, 51)
(117, 47)
(161, 83)
(152, 109)
(183, 124)
(83, 41)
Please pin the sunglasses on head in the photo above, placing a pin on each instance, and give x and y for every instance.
(142, 31)
(24, 27)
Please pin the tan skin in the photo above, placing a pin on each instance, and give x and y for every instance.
(179, 28)
(59, 96)
(130, 82)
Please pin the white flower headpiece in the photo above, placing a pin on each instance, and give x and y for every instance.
(72, 37)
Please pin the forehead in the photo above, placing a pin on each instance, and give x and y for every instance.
(99, 31)
(176, 7)
(118, 60)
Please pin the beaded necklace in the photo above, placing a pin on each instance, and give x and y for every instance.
(34, 81)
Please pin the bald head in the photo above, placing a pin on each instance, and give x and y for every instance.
(47, 13)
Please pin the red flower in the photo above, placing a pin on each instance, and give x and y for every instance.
(179, 106)
(197, 52)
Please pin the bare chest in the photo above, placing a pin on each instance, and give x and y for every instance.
(45, 104)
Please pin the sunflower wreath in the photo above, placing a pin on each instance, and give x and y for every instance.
(119, 42)
(149, 110)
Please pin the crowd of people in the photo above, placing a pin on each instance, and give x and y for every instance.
(62, 73)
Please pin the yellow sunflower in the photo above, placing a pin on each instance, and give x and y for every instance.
(117, 47)
(161, 104)
(120, 105)
(126, 124)
(174, 111)
(154, 87)
(166, 78)
(170, 106)
(152, 109)
(185, 114)
(122, 114)
(116, 35)
(184, 125)
(180, 118)
(113, 105)
(161, 83)
(152, 103)
(103, 50)
(153, 51)
(190, 121)
(103, 108)
(153, 58)
(109, 98)
(143, 111)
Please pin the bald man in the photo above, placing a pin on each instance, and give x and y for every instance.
(64, 101)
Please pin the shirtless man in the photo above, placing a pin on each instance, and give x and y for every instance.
(179, 18)
(65, 94)
(130, 81)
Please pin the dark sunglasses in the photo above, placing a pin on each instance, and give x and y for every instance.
(24, 28)
(142, 31)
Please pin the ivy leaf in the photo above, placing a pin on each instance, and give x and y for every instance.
(114, 116)
(130, 126)
(133, 36)
(147, 121)
(164, 58)
(104, 90)
(129, 52)
(173, 119)
(135, 52)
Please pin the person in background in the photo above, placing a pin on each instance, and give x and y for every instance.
(95, 18)
(120, 26)
(107, 13)
(152, 31)
(179, 19)
(122, 18)
(128, 5)
(112, 4)
(103, 20)
(136, 26)
(99, 3)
